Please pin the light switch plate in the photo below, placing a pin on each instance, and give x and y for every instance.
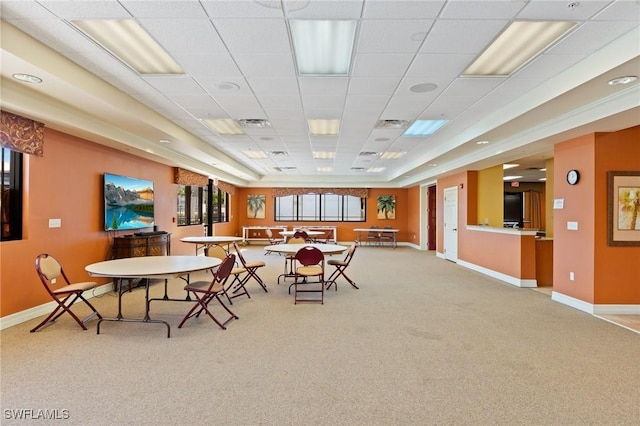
(55, 223)
(572, 226)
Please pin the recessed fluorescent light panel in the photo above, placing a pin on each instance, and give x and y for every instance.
(509, 166)
(324, 127)
(511, 177)
(323, 169)
(323, 155)
(392, 155)
(131, 44)
(323, 47)
(424, 127)
(517, 45)
(224, 126)
(255, 154)
(375, 169)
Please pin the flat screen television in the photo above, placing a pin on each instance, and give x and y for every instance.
(128, 203)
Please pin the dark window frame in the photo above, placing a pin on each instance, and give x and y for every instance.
(11, 188)
(215, 211)
(297, 203)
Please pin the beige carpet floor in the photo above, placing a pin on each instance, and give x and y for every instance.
(423, 342)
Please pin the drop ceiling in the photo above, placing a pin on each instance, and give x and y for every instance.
(239, 64)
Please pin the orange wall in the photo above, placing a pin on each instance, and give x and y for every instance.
(413, 215)
(616, 268)
(345, 230)
(603, 274)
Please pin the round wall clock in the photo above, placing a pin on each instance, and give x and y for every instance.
(573, 177)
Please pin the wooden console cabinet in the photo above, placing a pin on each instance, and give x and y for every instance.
(141, 245)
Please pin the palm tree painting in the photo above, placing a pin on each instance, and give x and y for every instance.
(255, 206)
(386, 207)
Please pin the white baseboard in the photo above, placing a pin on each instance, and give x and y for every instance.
(46, 308)
(590, 308)
(518, 282)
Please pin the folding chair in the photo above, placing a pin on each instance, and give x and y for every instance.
(289, 259)
(251, 268)
(49, 269)
(205, 292)
(310, 262)
(238, 281)
(272, 240)
(341, 266)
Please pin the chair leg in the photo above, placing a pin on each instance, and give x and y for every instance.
(251, 273)
(63, 307)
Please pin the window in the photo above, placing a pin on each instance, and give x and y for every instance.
(320, 208)
(11, 195)
(194, 205)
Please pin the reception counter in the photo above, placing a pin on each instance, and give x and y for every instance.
(508, 254)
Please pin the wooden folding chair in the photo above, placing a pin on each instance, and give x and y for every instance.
(49, 270)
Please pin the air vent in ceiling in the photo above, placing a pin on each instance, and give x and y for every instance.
(369, 154)
(278, 153)
(358, 169)
(284, 169)
(254, 123)
(392, 124)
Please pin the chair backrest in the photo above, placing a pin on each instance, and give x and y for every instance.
(301, 234)
(270, 236)
(48, 267)
(309, 256)
(216, 251)
(350, 253)
(224, 270)
(239, 254)
(328, 235)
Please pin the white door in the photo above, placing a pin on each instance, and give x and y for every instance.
(451, 223)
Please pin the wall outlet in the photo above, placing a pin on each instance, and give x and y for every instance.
(55, 223)
(572, 276)
(54, 280)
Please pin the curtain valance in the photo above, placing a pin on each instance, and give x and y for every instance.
(355, 192)
(21, 134)
(226, 187)
(187, 177)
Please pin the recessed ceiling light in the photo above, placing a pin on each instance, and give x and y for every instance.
(518, 44)
(509, 166)
(424, 127)
(255, 154)
(224, 126)
(423, 87)
(131, 44)
(27, 78)
(511, 177)
(482, 142)
(324, 127)
(323, 155)
(375, 169)
(167, 141)
(622, 80)
(543, 170)
(323, 47)
(323, 169)
(542, 179)
(392, 155)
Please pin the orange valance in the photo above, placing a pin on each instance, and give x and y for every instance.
(226, 187)
(21, 134)
(355, 192)
(187, 177)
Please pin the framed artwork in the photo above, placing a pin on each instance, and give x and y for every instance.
(256, 205)
(386, 207)
(623, 219)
